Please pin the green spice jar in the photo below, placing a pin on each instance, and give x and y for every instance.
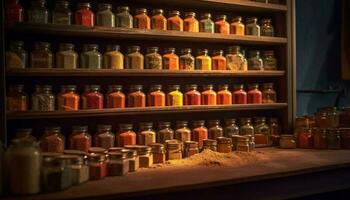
(38, 13)
(66, 57)
(61, 14)
(123, 18)
(90, 58)
(105, 16)
(255, 62)
(269, 60)
(186, 60)
(206, 24)
(113, 58)
(134, 59)
(252, 27)
(16, 56)
(153, 60)
(41, 57)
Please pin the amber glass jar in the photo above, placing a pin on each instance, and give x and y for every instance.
(182, 132)
(16, 56)
(170, 59)
(17, 99)
(156, 97)
(136, 98)
(174, 96)
(141, 19)
(267, 28)
(41, 57)
(191, 24)
(158, 21)
(305, 139)
(239, 95)
(68, 99)
(254, 94)
(92, 98)
(262, 132)
(164, 132)
(237, 27)
(126, 136)
(203, 60)
(192, 96)
(246, 127)
(231, 128)
(43, 99)
(320, 138)
(113, 58)
(153, 60)
(224, 96)
(123, 18)
(134, 59)
(235, 60)
(104, 137)
(269, 94)
(52, 140)
(269, 60)
(66, 57)
(252, 27)
(146, 134)
(206, 24)
(175, 22)
(115, 98)
(214, 129)
(186, 60)
(80, 139)
(199, 132)
(221, 25)
(208, 95)
(218, 60)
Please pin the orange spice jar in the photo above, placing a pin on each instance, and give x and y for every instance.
(224, 96)
(115, 97)
(52, 140)
(17, 99)
(237, 27)
(221, 25)
(156, 97)
(136, 98)
(191, 24)
(192, 96)
(158, 21)
(218, 60)
(208, 95)
(170, 59)
(126, 136)
(175, 23)
(141, 19)
(199, 132)
(68, 99)
(80, 139)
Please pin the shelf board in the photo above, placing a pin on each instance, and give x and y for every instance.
(133, 33)
(141, 111)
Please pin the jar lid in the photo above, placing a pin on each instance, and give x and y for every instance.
(202, 51)
(197, 123)
(66, 46)
(62, 3)
(173, 146)
(221, 17)
(170, 50)
(97, 150)
(238, 86)
(90, 47)
(245, 120)
(23, 132)
(174, 87)
(234, 49)
(69, 87)
(141, 10)
(206, 15)
(252, 19)
(268, 53)
(223, 87)
(181, 123)
(191, 14)
(156, 87)
(115, 149)
(143, 150)
(218, 52)
(123, 8)
(253, 85)
(192, 87)
(104, 127)
(158, 11)
(125, 126)
(43, 87)
(53, 129)
(113, 47)
(116, 155)
(268, 85)
(260, 120)
(80, 128)
(224, 140)
(115, 87)
(174, 12)
(84, 5)
(208, 87)
(186, 50)
(146, 125)
(42, 45)
(237, 18)
(92, 87)
(266, 20)
(134, 48)
(92, 157)
(75, 152)
(135, 87)
(273, 120)
(152, 49)
(163, 125)
(209, 142)
(254, 53)
(191, 144)
(104, 6)
(214, 122)
(230, 121)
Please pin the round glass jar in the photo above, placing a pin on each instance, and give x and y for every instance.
(206, 24)
(66, 57)
(156, 97)
(141, 19)
(153, 60)
(159, 153)
(192, 96)
(136, 98)
(123, 17)
(182, 132)
(254, 61)
(115, 98)
(214, 129)
(231, 128)
(174, 96)
(146, 135)
(80, 139)
(16, 99)
(16, 56)
(199, 132)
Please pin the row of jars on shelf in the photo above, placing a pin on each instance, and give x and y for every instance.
(91, 58)
(68, 99)
(105, 17)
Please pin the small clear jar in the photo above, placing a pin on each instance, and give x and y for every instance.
(52, 140)
(97, 166)
(43, 99)
(80, 139)
(305, 139)
(126, 136)
(104, 137)
(17, 99)
(261, 132)
(146, 135)
(123, 18)
(237, 27)
(199, 132)
(191, 24)
(203, 60)
(269, 60)
(68, 99)
(221, 25)
(38, 13)
(267, 28)
(159, 153)
(224, 144)
(287, 142)
(231, 128)
(61, 14)
(275, 130)
(252, 27)
(174, 151)
(234, 139)
(333, 139)
(239, 95)
(269, 94)
(92, 98)
(320, 138)
(117, 164)
(218, 60)
(56, 174)
(186, 60)
(246, 127)
(206, 24)
(224, 96)
(145, 156)
(214, 129)
(153, 60)
(208, 95)
(79, 170)
(134, 162)
(66, 57)
(113, 58)
(164, 132)
(254, 61)
(235, 60)
(170, 59)
(105, 17)
(41, 56)
(84, 15)
(192, 95)
(134, 59)
(16, 56)
(90, 58)
(25, 133)
(243, 144)
(190, 148)
(209, 144)
(254, 95)
(182, 132)
(14, 13)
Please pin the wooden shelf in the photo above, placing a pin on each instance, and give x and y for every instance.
(55, 72)
(141, 111)
(127, 33)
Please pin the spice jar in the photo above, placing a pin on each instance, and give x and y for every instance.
(221, 25)
(38, 13)
(333, 139)
(79, 170)
(174, 150)
(61, 14)
(80, 139)
(115, 98)
(332, 117)
(68, 99)
(23, 154)
(267, 28)
(191, 148)
(239, 95)
(345, 138)
(235, 60)
(134, 59)
(254, 61)
(175, 22)
(158, 21)
(43, 99)
(305, 139)
(300, 124)
(206, 24)
(105, 16)
(231, 128)
(14, 12)
(158, 152)
(16, 99)
(224, 96)
(123, 17)
(84, 16)
(246, 127)
(92, 98)
(104, 137)
(252, 27)
(90, 58)
(203, 60)
(145, 156)
(320, 138)
(237, 27)
(175, 96)
(287, 142)
(254, 95)
(25, 133)
(234, 139)
(192, 96)
(41, 56)
(113, 58)
(136, 98)
(52, 140)
(156, 97)
(141, 19)
(224, 144)
(275, 130)
(170, 59)
(146, 135)
(269, 60)
(243, 144)
(66, 57)
(191, 24)
(97, 166)
(209, 144)
(261, 132)
(164, 132)
(199, 132)
(134, 162)
(208, 95)
(186, 60)
(182, 132)
(218, 60)
(153, 60)
(215, 130)
(117, 164)
(126, 136)
(16, 56)
(269, 94)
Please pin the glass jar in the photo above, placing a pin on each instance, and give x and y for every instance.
(24, 133)
(14, 12)
(41, 56)
(333, 139)
(206, 24)
(79, 170)
(269, 60)
(235, 60)
(16, 56)
(66, 57)
(269, 94)
(219, 61)
(158, 21)
(191, 148)
(164, 132)
(186, 60)
(136, 98)
(153, 60)
(300, 124)
(134, 162)
(243, 144)
(332, 117)
(141, 19)
(254, 95)
(224, 144)
(203, 60)
(52, 140)
(275, 130)
(23, 154)
(239, 95)
(252, 27)
(175, 23)
(254, 61)
(115, 97)
(267, 28)
(126, 136)
(123, 18)
(192, 96)
(105, 17)
(61, 14)
(215, 130)
(38, 13)
(191, 24)
(246, 127)
(208, 95)
(221, 25)
(159, 154)
(320, 138)
(145, 156)
(344, 117)
(209, 144)
(182, 132)
(43, 99)
(97, 166)
(231, 128)
(68, 99)
(305, 139)
(321, 119)
(345, 138)
(134, 59)
(17, 99)
(92, 98)
(156, 97)
(170, 59)
(117, 164)
(174, 150)
(146, 135)
(237, 27)
(113, 58)
(104, 137)
(80, 139)
(90, 58)
(199, 132)
(84, 15)
(224, 96)
(287, 142)
(175, 96)
(261, 132)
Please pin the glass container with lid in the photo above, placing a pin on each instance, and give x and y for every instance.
(224, 96)
(141, 19)
(17, 99)
(182, 132)
(252, 27)
(97, 166)
(156, 97)
(41, 56)
(246, 127)
(224, 144)
(191, 24)
(254, 95)
(92, 98)
(262, 132)
(269, 60)
(206, 24)
(218, 60)
(153, 60)
(115, 98)
(43, 99)
(66, 57)
(237, 27)
(134, 59)
(186, 60)
(14, 12)
(146, 135)
(113, 58)
(174, 150)
(68, 99)
(231, 128)
(208, 95)
(334, 139)
(287, 142)
(84, 15)
(269, 94)
(80, 139)
(221, 25)
(192, 96)
(38, 13)
(175, 22)
(190, 148)
(267, 27)
(164, 132)
(254, 61)
(61, 14)
(52, 140)
(158, 21)
(16, 56)
(239, 94)
(136, 98)
(170, 59)
(126, 136)
(209, 144)
(105, 17)
(199, 132)
(159, 153)
(243, 144)
(117, 164)
(104, 137)
(215, 130)
(174, 96)
(91, 58)
(203, 60)
(123, 18)
(235, 60)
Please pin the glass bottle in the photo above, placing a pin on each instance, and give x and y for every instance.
(186, 60)
(239, 95)
(134, 59)
(235, 59)
(175, 96)
(182, 132)
(92, 98)
(224, 96)
(68, 99)
(231, 128)
(254, 95)
(269, 94)
(52, 140)
(14, 12)
(117, 164)
(221, 25)
(267, 28)
(38, 13)
(136, 98)
(153, 60)
(199, 132)
(269, 60)
(90, 58)
(192, 96)
(191, 24)
(170, 59)
(141, 19)
(115, 98)
(305, 139)
(146, 135)
(43, 99)
(84, 15)
(320, 138)
(156, 97)
(61, 14)
(175, 23)
(126, 136)
(123, 18)
(333, 139)
(252, 27)
(164, 132)
(104, 137)
(245, 64)
(246, 127)
(158, 21)
(105, 17)
(237, 27)
(113, 58)
(80, 139)
(41, 57)
(214, 129)
(275, 130)
(208, 95)
(203, 61)
(16, 56)
(255, 62)
(206, 24)
(219, 61)
(261, 132)
(17, 99)
(66, 57)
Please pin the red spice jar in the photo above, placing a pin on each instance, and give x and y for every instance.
(239, 95)
(68, 99)
(224, 95)
(126, 136)
(199, 132)
(52, 140)
(208, 95)
(92, 98)
(104, 137)
(115, 98)
(156, 97)
(254, 94)
(14, 13)
(136, 98)
(218, 60)
(192, 96)
(84, 16)
(221, 25)
(141, 19)
(320, 138)
(97, 166)
(17, 99)
(80, 139)
(345, 138)
(305, 138)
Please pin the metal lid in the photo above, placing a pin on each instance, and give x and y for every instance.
(230, 121)
(268, 53)
(206, 15)
(191, 14)
(69, 46)
(87, 5)
(169, 50)
(88, 47)
(92, 87)
(113, 47)
(218, 52)
(146, 125)
(224, 140)
(252, 20)
(135, 87)
(116, 155)
(92, 157)
(158, 11)
(191, 144)
(115, 149)
(125, 126)
(174, 12)
(181, 123)
(192, 87)
(54, 129)
(209, 142)
(141, 10)
(152, 49)
(104, 6)
(156, 87)
(268, 85)
(186, 50)
(208, 87)
(97, 150)
(197, 123)
(157, 147)
(237, 18)
(104, 127)
(221, 17)
(174, 87)
(253, 85)
(163, 125)
(75, 152)
(133, 48)
(123, 8)
(214, 122)
(223, 87)
(80, 128)
(115, 87)
(69, 87)
(254, 53)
